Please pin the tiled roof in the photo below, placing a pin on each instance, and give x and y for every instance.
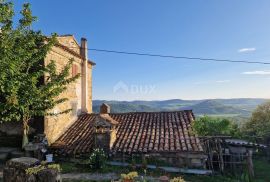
(109, 119)
(79, 136)
(136, 133)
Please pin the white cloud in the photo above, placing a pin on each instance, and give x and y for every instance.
(211, 82)
(223, 81)
(257, 72)
(249, 49)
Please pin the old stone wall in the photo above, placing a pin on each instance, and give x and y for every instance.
(102, 141)
(56, 125)
(14, 171)
(175, 159)
(11, 134)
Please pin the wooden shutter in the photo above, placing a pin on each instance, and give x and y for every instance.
(74, 70)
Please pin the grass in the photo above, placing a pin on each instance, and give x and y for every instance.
(261, 168)
(68, 167)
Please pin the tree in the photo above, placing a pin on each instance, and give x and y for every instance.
(259, 123)
(28, 88)
(211, 126)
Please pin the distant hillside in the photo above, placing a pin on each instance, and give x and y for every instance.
(216, 107)
(125, 107)
(237, 107)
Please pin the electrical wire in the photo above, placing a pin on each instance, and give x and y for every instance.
(179, 57)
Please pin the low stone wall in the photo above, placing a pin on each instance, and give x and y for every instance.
(174, 159)
(14, 171)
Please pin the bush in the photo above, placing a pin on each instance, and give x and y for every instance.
(34, 170)
(259, 123)
(97, 159)
(177, 179)
(211, 126)
(129, 176)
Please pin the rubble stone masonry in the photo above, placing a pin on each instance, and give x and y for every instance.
(54, 126)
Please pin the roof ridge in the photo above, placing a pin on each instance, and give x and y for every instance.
(150, 112)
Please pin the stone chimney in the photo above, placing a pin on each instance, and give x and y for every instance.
(105, 109)
(105, 129)
(84, 74)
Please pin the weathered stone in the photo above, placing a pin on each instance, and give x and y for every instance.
(31, 178)
(17, 154)
(7, 149)
(3, 156)
(164, 179)
(79, 92)
(15, 171)
(22, 162)
(48, 175)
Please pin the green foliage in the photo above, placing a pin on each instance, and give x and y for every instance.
(28, 88)
(68, 167)
(210, 126)
(259, 124)
(55, 167)
(129, 176)
(177, 179)
(34, 170)
(97, 159)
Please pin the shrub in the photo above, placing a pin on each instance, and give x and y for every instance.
(211, 126)
(36, 169)
(55, 167)
(97, 159)
(129, 176)
(177, 179)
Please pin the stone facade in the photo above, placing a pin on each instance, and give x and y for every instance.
(79, 93)
(14, 171)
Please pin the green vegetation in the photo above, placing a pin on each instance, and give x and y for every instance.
(97, 159)
(177, 179)
(129, 176)
(83, 167)
(261, 168)
(211, 126)
(34, 170)
(259, 124)
(23, 94)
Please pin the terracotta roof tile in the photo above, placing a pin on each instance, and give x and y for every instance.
(136, 133)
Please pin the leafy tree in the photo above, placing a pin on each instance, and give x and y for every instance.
(97, 159)
(211, 126)
(259, 123)
(28, 88)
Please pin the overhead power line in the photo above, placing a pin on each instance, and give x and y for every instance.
(179, 57)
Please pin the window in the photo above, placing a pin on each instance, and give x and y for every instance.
(74, 70)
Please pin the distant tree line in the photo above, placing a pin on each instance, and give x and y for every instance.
(256, 128)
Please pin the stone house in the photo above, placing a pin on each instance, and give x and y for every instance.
(165, 136)
(79, 93)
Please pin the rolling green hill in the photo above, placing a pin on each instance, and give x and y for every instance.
(241, 107)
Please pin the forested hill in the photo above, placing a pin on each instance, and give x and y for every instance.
(226, 107)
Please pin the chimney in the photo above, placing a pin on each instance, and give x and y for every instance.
(105, 109)
(105, 129)
(84, 74)
(84, 52)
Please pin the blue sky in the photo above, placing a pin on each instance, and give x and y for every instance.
(224, 29)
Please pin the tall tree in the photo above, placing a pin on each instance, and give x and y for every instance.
(28, 88)
(212, 126)
(259, 124)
